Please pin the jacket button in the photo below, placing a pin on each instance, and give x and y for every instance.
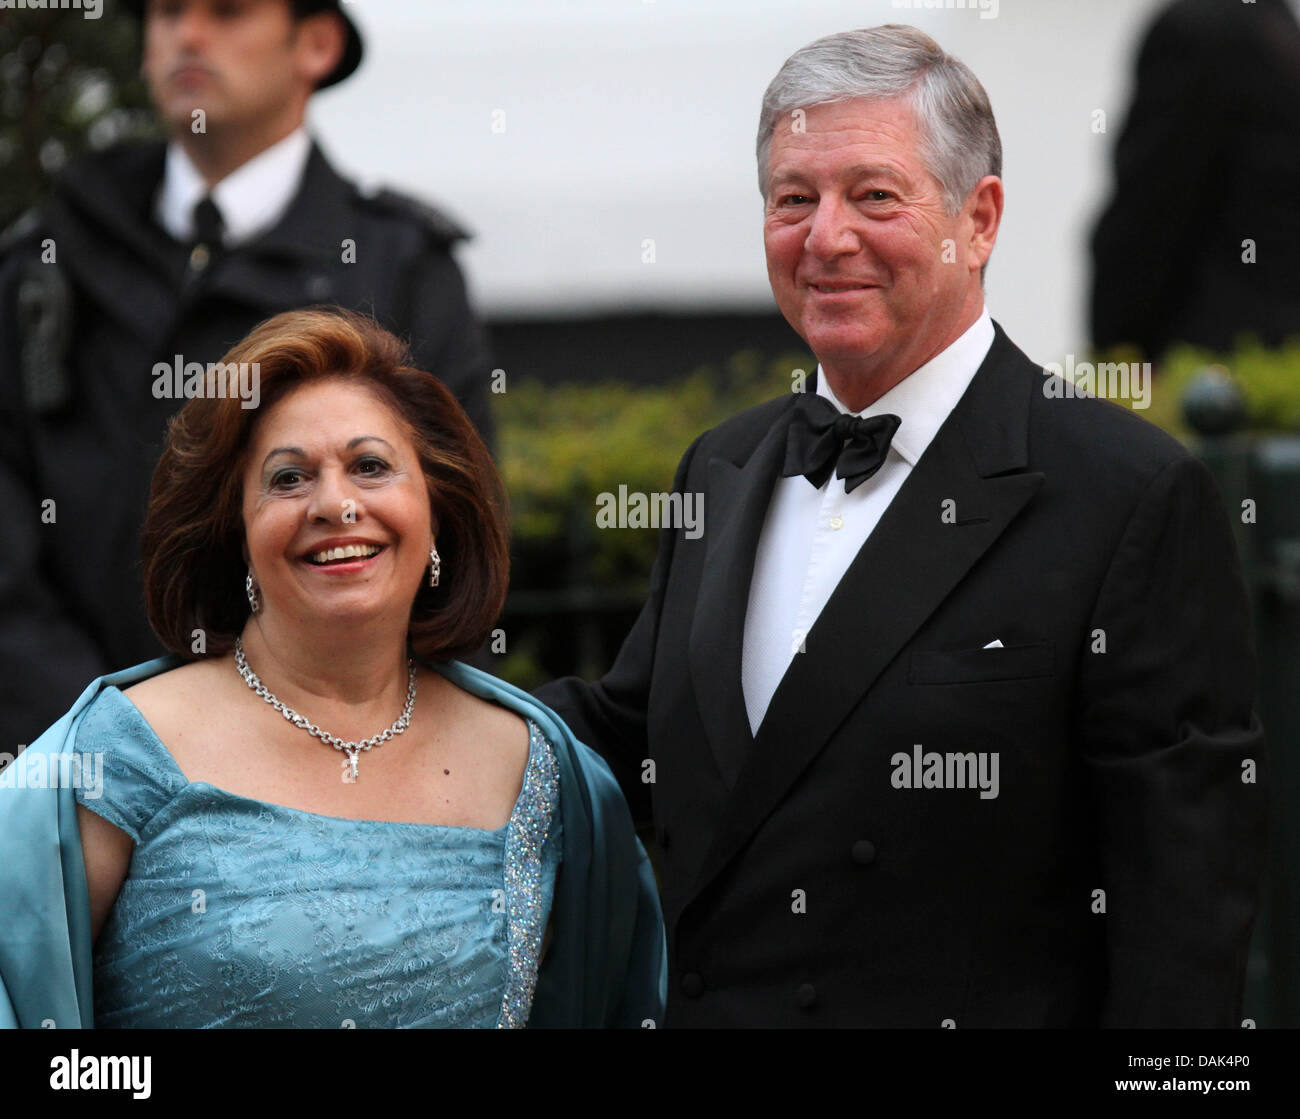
(806, 995)
(200, 257)
(692, 984)
(863, 852)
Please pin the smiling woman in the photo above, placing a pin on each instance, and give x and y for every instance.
(316, 565)
(351, 445)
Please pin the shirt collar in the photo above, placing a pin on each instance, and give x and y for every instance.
(926, 397)
(252, 198)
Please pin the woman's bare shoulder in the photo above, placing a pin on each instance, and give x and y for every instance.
(178, 690)
(497, 730)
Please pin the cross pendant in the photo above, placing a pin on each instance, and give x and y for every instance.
(350, 768)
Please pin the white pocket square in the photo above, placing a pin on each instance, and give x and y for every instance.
(996, 643)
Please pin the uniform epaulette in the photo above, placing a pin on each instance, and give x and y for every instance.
(405, 206)
(23, 229)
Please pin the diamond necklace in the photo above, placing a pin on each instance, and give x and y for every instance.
(350, 748)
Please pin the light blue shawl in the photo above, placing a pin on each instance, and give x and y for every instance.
(607, 965)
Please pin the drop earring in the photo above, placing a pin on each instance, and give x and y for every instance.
(435, 567)
(250, 589)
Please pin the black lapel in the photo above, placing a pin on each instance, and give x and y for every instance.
(735, 507)
(908, 565)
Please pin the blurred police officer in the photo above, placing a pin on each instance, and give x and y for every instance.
(169, 253)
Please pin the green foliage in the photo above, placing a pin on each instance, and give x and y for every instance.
(67, 83)
(1269, 380)
(564, 445)
(522, 665)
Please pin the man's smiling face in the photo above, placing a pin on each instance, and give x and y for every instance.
(863, 258)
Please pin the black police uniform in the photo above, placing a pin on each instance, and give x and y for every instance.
(93, 293)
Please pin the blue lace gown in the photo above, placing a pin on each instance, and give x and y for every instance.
(236, 912)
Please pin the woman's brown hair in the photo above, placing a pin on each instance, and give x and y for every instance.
(192, 545)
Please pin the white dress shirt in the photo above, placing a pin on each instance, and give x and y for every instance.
(252, 198)
(810, 536)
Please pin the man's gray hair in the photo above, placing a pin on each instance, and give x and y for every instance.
(959, 138)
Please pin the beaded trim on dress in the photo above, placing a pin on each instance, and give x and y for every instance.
(529, 827)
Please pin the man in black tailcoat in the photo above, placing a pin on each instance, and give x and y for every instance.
(946, 717)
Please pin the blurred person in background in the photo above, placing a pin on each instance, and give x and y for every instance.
(159, 256)
(1201, 240)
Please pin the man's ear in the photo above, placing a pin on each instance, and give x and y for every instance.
(984, 204)
(319, 43)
